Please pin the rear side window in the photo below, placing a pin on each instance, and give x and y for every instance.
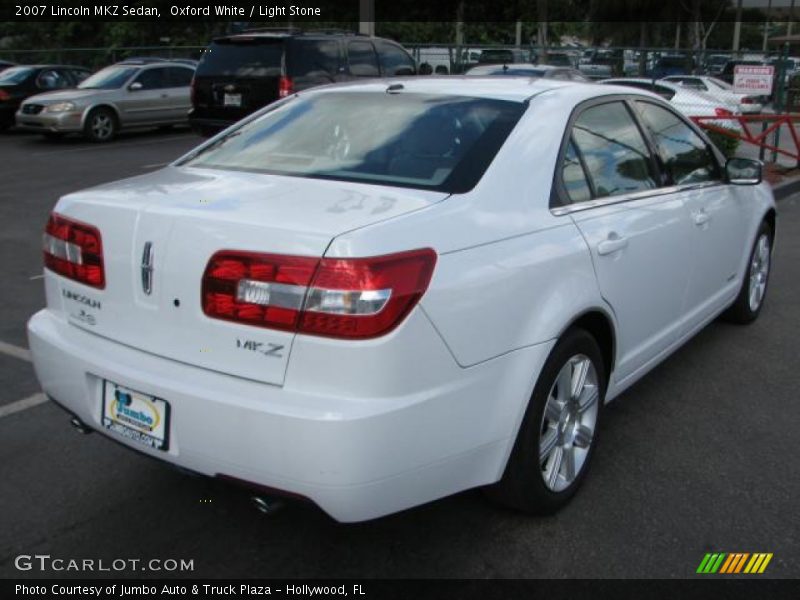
(686, 157)
(179, 77)
(243, 57)
(421, 141)
(362, 59)
(574, 177)
(394, 59)
(313, 58)
(613, 150)
(153, 79)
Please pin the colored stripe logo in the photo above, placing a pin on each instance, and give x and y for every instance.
(731, 563)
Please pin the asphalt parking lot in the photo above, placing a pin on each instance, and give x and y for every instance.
(695, 458)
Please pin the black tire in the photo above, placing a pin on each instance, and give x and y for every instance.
(523, 485)
(101, 125)
(742, 311)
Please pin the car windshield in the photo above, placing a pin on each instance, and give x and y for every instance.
(15, 75)
(422, 141)
(109, 78)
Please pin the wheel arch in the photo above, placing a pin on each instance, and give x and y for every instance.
(93, 107)
(598, 323)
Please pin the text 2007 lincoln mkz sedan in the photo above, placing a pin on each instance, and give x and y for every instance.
(378, 294)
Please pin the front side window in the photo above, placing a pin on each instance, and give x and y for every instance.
(409, 140)
(686, 157)
(362, 59)
(613, 150)
(52, 79)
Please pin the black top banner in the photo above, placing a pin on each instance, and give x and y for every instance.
(299, 11)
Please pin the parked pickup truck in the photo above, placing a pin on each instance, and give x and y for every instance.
(602, 65)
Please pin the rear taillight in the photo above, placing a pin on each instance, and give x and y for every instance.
(4, 95)
(285, 87)
(723, 112)
(345, 298)
(74, 250)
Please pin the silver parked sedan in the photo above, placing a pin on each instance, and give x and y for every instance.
(126, 95)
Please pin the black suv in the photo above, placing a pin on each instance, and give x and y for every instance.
(238, 74)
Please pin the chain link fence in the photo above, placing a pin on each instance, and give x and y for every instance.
(697, 83)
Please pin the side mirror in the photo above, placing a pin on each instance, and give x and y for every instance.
(744, 171)
(425, 69)
(135, 86)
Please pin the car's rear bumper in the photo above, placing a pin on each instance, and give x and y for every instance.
(67, 122)
(356, 457)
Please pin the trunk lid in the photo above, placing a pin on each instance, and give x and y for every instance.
(183, 216)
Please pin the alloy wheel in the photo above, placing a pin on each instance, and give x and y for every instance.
(568, 423)
(759, 272)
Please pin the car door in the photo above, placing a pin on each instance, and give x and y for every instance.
(145, 100)
(715, 211)
(178, 91)
(637, 231)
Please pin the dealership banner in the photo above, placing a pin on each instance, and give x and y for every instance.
(406, 589)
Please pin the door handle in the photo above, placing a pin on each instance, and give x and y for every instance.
(701, 217)
(612, 244)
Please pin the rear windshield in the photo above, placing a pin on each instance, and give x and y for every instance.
(242, 57)
(442, 143)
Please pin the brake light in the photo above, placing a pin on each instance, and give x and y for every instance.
(74, 250)
(723, 112)
(285, 87)
(4, 95)
(354, 298)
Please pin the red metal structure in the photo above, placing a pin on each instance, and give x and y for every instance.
(771, 124)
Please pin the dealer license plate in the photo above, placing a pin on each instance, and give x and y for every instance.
(136, 416)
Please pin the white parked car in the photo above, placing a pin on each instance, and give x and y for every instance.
(690, 102)
(378, 294)
(746, 104)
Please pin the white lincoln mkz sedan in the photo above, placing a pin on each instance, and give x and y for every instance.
(378, 294)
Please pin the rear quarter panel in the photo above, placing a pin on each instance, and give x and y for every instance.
(509, 273)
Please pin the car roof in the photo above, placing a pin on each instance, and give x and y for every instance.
(47, 66)
(511, 88)
(277, 32)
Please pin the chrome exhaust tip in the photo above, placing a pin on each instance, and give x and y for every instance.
(80, 426)
(266, 505)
